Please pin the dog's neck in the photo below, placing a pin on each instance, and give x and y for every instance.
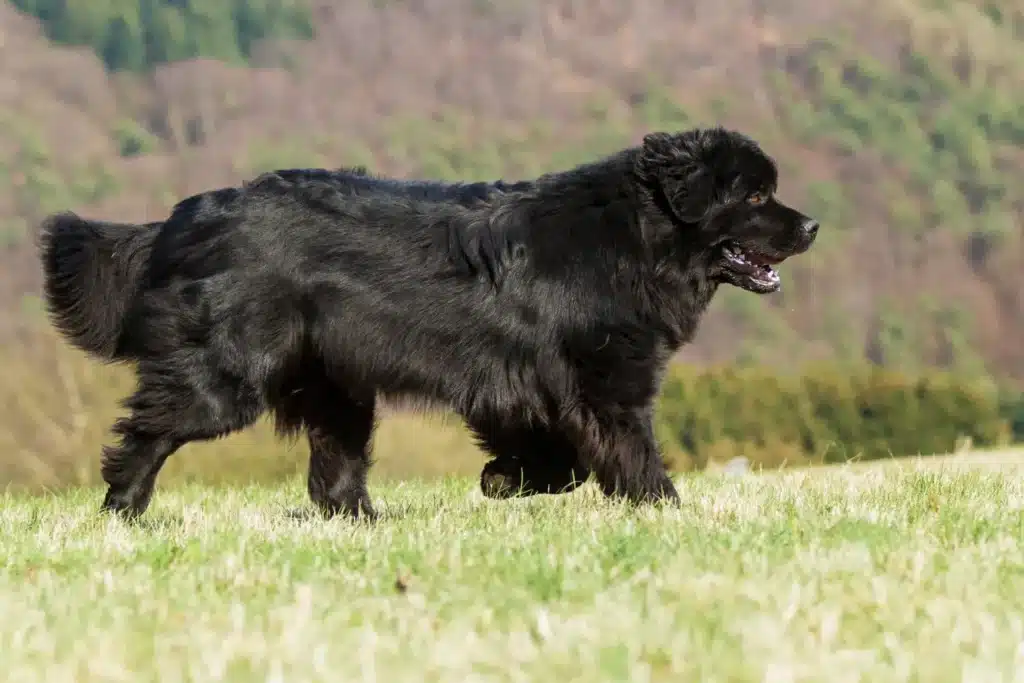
(672, 293)
(678, 301)
(677, 288)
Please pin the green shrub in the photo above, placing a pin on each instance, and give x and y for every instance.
(952, 133)
(133, 139)
(134, 35)
(826, 414)
(1011, 407)
(43, 183)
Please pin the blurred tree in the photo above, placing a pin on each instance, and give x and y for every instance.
(135, 35)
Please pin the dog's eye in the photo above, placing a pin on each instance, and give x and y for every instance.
(757, 198)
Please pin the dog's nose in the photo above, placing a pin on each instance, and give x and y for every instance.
(810, 228)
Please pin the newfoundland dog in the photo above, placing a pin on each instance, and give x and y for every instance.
(542, 312)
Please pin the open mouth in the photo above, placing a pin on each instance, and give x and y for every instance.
(751, 270)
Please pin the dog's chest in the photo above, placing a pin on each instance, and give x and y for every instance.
(682, 309)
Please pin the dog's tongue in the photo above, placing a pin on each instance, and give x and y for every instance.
(762, 260)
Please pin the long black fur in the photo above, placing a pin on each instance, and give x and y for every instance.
(543, 312)
(93, 270)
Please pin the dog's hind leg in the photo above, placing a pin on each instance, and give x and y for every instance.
(528, 461)
(339, 425)
(131, 467)
(177, 401)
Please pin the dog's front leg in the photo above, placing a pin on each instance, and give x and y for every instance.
(619, 447)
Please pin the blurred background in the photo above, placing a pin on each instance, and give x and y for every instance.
(898, 123)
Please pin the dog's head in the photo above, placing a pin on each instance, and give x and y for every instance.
(717, 188)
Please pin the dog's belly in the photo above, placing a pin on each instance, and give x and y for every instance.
(470, 371)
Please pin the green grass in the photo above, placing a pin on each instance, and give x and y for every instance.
(873, 573)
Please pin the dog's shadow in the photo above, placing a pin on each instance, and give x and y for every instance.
(173, 522)
(165, 522)
(170, 522)
(391, 513)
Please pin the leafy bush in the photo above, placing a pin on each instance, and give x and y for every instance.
(950, 133)
(134, 35)
(38, 183)
(1011, 406)
(133, 139)
(826, 414)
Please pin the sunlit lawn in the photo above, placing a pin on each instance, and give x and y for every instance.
(871, 573)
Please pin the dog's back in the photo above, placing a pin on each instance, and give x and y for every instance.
(357, 180)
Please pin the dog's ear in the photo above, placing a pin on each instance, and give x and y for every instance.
(675, 165)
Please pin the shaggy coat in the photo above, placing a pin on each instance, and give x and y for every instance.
(542, 312)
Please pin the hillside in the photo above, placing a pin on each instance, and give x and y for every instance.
(899, 124)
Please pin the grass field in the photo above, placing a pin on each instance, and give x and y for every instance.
(877, 573)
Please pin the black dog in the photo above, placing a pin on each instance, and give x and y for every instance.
(517, 469)
(544, 313)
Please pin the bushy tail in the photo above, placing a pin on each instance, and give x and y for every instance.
(92, 272)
